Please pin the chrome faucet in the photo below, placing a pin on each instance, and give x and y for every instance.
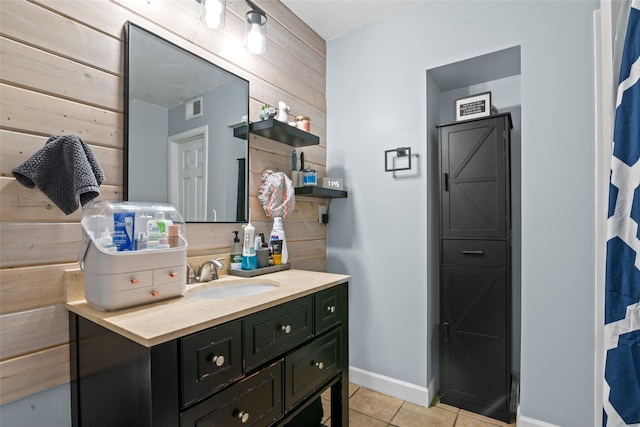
(213, 264)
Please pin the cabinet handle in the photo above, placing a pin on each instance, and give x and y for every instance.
(173, 274)
(286, 329)
(445, 331)
(331, 309)
(134, 281)
(445, 178)
(244, 417)
(473, 252)
(218, 360)
(319, 365)
(155, 293)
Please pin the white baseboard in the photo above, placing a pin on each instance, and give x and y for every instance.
(522, 421)
(399, 389)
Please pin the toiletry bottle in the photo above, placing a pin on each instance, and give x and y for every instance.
(163, 243)
(174, 236)
(236, 253)
(153, 232)
(278, 242)
(163, 224)
(141, 241)
(249, 261)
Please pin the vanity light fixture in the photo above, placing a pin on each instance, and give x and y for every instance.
(212, 13)
(255, 37)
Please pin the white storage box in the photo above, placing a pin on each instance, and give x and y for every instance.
(119, 271)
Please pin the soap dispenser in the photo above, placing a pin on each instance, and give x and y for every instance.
(236, 253)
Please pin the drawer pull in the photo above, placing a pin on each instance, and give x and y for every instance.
(244, 417)
(319, 365)
(286, 329)
(473, 252)
(134, 281)
(218, 360)
(331, 309)
(173, 274)
(155, 293)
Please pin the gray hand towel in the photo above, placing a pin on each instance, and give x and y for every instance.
(64, 169)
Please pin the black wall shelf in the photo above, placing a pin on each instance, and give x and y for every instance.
(325, 193)
(278, 131)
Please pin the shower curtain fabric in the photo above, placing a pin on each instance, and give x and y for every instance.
(622, 287)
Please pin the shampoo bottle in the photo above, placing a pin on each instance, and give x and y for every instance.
(236, 253)
(278, 242)
(249, 261)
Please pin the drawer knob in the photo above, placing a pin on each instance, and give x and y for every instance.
(134, 281)
(218, 360)
(155, 293)
(286, 329)
(319, 365)
(173, 274)
(331, 309)
(244, 417)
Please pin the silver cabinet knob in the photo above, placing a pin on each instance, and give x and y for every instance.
(331, 309)
(244, 417)
(319, 365)
(286, 329)
(218, 360)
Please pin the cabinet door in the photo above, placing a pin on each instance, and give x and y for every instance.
(255, 401)
(309, 367)
(474, 178)
(475, 363)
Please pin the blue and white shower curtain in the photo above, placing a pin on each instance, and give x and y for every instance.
(622, 288)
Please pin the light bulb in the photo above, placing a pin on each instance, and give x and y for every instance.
(213, 13)
(255, 41)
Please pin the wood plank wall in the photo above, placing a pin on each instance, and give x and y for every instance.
(63, 73)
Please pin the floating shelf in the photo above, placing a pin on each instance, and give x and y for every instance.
(278, 131)
(315, 191)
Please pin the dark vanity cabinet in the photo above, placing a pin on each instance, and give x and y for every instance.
(475, 265)
(259, 370)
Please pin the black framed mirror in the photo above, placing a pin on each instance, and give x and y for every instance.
(179, 142)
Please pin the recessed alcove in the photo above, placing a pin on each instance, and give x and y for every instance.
(497, 72)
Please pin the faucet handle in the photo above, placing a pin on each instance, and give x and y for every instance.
(191, 274)
(218, 263)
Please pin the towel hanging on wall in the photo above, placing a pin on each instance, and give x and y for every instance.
(65, 170)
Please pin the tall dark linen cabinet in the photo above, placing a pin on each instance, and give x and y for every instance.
(475, 265)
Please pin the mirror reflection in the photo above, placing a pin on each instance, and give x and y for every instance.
(179, 144)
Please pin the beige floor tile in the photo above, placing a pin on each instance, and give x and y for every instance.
(411, 415)
(356, 419)
(487, 420)
(326, 409)
(374, 404)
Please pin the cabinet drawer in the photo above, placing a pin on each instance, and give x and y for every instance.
(475, 252)
(329, 306)
(210, 359)
(309, 367)
(175, 274)
(271, 332)
(255, 401)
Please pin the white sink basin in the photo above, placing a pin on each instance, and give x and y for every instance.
(233, 290)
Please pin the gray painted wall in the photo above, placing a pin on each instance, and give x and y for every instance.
(376, 95)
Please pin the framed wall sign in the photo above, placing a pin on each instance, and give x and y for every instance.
(472, 107)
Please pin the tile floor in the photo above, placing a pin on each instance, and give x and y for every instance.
(368, 408)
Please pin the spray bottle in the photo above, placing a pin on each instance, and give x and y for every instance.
(278, 242)
(249, 261)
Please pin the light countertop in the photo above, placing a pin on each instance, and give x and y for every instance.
(163, 321)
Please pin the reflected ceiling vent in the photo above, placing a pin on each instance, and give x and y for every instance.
(193, 108)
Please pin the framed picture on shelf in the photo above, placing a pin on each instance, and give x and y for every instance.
(472, 107)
